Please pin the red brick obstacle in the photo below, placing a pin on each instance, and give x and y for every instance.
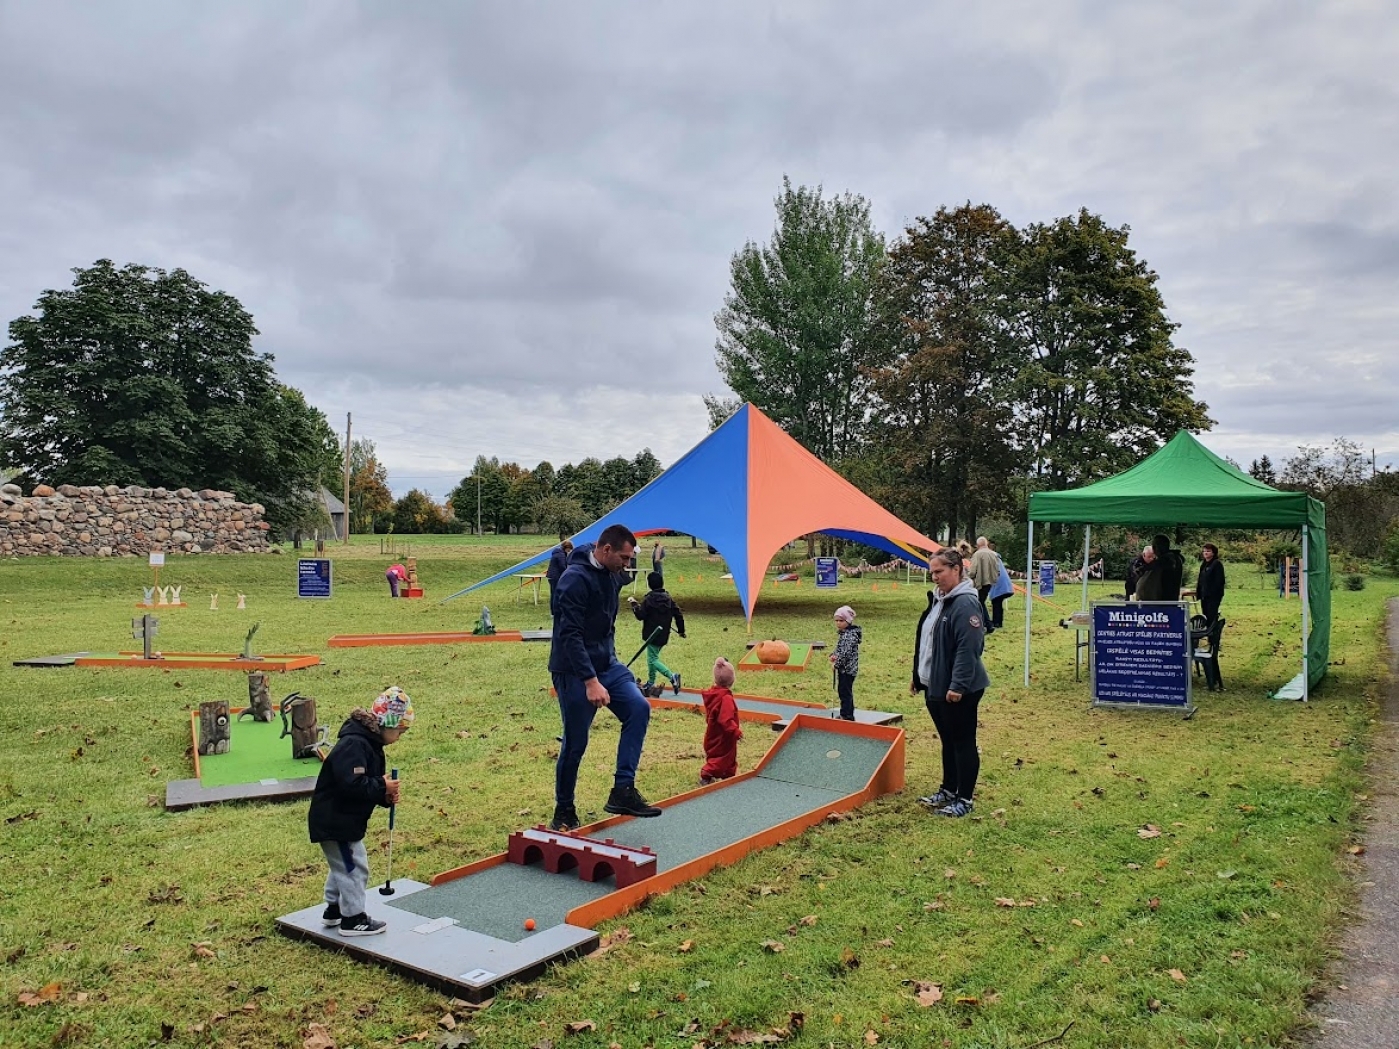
(594, 858)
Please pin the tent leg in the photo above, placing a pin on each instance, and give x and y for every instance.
(1087, 533)
(1306, 618)
(1029, 602)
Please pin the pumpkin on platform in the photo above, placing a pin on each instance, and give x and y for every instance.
(773, 653)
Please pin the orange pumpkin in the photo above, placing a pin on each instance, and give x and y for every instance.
(773, 652)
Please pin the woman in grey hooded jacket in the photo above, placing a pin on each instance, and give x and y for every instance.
(947, 668)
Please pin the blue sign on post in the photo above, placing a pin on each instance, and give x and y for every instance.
(827, 573)
(1141, 655)
(1047, 578)
(313, 577)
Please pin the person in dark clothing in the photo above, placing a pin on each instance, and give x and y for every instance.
(947, 668)
(657, 610)
(558, 561)
(350, 784)
(1140, 565)
(1209, 586)
(1164, 575)
(588, 675)
(845, 660)
(658, 558)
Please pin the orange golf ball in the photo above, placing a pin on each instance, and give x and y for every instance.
(529, 925)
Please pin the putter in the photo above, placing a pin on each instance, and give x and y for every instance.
(388, 889)
(643, 645)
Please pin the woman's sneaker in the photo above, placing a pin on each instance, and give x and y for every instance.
(938, 800)
(331, 915)
(361, 925)
(957, 808)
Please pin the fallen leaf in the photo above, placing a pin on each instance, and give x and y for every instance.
(935, 905)
(928, 993)
(579, 1026)
(634, 988)
(317, 1037)
(201, 949)
(885, 943)
(1154, 1005)
(1104, 959)
(773, 946)
(1134, 866)
(686, 947)
(967, 999)
(849, 959)
(1356, 850)
(1176, 975)
(1163, 862)
(1154, 903)
(1149, 831)
(448, 1022)
(1226, 875)
(871, 1038)
(1075, 921)
(1004, 901)
(404, 1039)
(746, 1037)
(810, 919)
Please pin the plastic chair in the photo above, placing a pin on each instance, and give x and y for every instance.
(1204, 651)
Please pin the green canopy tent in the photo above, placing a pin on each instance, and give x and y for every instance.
(1185, 483)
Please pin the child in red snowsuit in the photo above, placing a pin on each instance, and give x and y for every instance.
(721, 731)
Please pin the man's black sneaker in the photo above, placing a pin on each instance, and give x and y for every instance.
(331, 915)
(565, 818)
(675, 683)
(627, 801)
(361, 925)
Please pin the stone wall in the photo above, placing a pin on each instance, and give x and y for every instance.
(114, 522)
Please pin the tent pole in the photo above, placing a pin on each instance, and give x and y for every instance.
(1306, 619)
(1029, 602)
(1087, 533)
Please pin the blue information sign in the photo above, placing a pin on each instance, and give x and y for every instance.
(827, 573)
(1141, 654)
(1047, 578)
(313, 577)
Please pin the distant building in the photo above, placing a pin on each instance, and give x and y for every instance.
(335, 510)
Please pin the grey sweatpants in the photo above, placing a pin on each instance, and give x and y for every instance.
(349, 876)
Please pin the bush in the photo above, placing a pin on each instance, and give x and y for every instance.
(1355, 581)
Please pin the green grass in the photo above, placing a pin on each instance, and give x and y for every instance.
(1244, 891)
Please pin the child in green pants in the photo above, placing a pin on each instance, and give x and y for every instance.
(657, 610)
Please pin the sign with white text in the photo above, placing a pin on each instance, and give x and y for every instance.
(1140, 654)
(313, 577)
(827, 573)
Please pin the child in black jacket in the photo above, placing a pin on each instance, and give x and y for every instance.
(656, 611)
(351, 783)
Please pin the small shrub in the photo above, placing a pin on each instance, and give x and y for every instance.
(1355, 581)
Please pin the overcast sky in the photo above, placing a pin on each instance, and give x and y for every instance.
(504, 228)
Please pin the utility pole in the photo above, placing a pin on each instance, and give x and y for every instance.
(347, 478)
(478, 504)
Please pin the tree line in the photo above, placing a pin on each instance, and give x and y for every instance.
(496, 496)
(964, 365)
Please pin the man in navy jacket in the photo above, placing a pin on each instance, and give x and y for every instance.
(588, 675)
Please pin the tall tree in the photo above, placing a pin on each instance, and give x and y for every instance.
(138, 376)
(947, 400)
(417, 514)
(795, 330)
(370, 497)
(1262, 470)
(1103, 385)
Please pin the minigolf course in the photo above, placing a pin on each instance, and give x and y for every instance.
(466, 934)
(258, 767)
(768, 710)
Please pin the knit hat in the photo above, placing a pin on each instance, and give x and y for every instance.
(723, 673)
(655, 580)
(846, 613)
(393, 708)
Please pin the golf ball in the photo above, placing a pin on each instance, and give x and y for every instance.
(529, 925)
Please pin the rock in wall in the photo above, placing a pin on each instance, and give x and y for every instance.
(90, 521)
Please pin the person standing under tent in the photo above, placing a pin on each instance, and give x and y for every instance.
(985, 569)
(1209, 586)
(588, 675)
(1140, 566)
(947, 669)
(658, 559)
(558, 561)
(1001, 589)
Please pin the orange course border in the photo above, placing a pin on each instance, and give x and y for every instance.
(888, 778)
(421, 637)
(201, 661)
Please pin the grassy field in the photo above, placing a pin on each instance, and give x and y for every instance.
(1056, 906)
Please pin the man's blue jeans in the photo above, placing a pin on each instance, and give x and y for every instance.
(627, 704)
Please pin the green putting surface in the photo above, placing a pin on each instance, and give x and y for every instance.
(255, 754)
(813, 770)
